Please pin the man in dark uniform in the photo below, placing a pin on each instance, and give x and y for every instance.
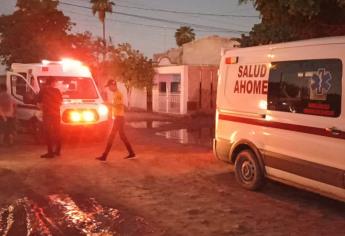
(51, 99)
(119, 122)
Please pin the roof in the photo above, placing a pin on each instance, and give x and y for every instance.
(203, 51)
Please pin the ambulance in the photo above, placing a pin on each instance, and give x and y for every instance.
(281, 115)
(82, 109)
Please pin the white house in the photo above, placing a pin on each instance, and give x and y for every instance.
(186, 77)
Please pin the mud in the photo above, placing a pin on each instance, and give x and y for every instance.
(60, 214)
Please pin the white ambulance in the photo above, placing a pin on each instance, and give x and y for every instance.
(82, 109)
(281, 114)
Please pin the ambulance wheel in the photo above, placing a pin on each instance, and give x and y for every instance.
(248, 172)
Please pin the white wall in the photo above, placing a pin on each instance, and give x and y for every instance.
(138, 97)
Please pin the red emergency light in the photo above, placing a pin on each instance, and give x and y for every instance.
(231, 60)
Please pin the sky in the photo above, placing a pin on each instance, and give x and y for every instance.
(150, 25)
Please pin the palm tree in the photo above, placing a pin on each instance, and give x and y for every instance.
(184, 34)
(102, 7)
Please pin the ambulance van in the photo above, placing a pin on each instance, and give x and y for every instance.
(281, 114)
(82, 109)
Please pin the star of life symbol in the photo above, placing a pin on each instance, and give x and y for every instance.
(321, 81)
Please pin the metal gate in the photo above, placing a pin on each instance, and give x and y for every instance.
(169, 95)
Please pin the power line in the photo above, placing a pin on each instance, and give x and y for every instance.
(182, 23)
(209, 19)
(163, 20)
(189, 13)
(121, 21)
(140, 24)
(186, 13)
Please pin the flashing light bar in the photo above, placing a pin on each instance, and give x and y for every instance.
(70, 62)
(68, 65)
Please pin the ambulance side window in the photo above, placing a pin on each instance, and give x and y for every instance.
(18, 86)
(310, 87)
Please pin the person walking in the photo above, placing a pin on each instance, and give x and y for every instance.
(118, 124)
(50, 99)
(108, 97)
(7, 116)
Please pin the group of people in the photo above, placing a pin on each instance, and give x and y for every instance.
(50, 99)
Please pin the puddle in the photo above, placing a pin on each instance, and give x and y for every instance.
(62, 215)
(200, 136)
(147, 124)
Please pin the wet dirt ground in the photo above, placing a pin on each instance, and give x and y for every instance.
(173, 187)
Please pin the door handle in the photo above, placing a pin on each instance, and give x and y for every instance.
(334, 131)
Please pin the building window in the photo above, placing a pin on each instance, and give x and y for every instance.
(310, 87)
(162, 87)
(175, 87)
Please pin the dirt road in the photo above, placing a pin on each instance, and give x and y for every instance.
(169, 189)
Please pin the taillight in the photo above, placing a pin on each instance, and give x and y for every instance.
(80, 116)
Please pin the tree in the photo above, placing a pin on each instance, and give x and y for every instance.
(184, 34)
(102, 7)
(132, 68)
(287, 20)
(36, 30)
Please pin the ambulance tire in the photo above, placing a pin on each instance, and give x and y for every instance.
(248, 171)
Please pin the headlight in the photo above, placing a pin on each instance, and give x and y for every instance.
(88, 116)
(103, 110)
(75, 116)
(80, 116)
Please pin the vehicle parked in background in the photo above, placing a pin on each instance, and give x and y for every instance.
(82, 111)
(281, 114)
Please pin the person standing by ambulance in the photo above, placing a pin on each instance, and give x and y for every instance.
(50, 99)
(7, 116)
(118, 124)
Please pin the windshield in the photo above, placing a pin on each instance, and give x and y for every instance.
(72, 87)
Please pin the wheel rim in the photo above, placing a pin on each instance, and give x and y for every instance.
(247, 171)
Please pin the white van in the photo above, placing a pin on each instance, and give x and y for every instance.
(281, 114)
(82, 109)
